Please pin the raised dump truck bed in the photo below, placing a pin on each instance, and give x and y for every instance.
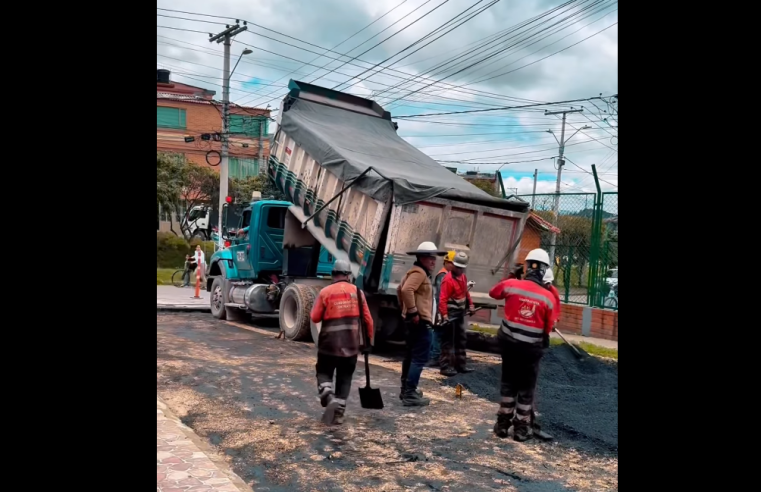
(368, 196)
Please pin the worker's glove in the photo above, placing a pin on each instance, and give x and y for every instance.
(413, 317)
(471, 310)
(471, 283)
(445, 319)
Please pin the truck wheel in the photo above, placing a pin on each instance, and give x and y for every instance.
(217, 301)
(295, 305)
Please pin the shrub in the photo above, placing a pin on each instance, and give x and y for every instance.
(171, 249)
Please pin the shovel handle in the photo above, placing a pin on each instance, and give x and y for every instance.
(367, 371)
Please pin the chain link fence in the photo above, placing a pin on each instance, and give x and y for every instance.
(585, 251)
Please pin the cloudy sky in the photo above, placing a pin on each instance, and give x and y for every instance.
(510, 53)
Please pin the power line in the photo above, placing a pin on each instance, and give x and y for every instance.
(503, 108)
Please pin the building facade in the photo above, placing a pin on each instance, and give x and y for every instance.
(189, 122)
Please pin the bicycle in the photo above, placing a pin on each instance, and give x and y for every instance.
(611, 300)
(177, 279)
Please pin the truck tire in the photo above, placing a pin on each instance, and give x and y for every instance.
(218, 309)
(295, 306)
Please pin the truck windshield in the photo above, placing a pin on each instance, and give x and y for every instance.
(197, 213)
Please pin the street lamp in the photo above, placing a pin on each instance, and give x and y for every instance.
(245, 52)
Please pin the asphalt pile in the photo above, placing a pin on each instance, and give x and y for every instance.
(577, 400)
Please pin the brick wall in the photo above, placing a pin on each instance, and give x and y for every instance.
(530, 240)
(603, 323)
(204, 118)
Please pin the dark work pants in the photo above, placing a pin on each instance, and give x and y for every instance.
(454, 339)
(417, 352)
(520, 370)
(343, 367)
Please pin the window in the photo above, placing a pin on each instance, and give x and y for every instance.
(170, 118)
(197, 213)
(247, 125)
(246, 219)
(243, 168)
(276, 217)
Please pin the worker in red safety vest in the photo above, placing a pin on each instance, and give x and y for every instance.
(455, 303)
(338, 309)
(528, 320)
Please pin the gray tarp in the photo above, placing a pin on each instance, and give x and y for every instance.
(347, 143)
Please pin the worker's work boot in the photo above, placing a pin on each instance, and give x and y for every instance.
(448, 371)
(404, 388)
(522, 431)
(503, 424)
(413, 398)
(338, 416)
(326, 393)
(465, 370)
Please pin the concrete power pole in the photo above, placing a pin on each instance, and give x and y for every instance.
(224, 166)
(533, 195)
(556, 206)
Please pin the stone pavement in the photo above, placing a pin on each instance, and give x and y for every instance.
(180, 299)
(182, 466)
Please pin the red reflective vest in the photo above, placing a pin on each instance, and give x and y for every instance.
(454, 294)
(529, 310)
(337, 309)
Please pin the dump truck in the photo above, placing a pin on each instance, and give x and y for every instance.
(361, 193)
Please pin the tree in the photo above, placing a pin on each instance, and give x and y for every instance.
(171, 171)
(486, 185)
(241, 189)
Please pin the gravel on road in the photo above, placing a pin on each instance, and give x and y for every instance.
(254, 398)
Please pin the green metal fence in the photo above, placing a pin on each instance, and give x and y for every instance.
(585, 251)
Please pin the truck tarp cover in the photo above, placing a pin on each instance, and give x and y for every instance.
(347, 143)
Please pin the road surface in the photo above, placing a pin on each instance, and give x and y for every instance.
(254, 398)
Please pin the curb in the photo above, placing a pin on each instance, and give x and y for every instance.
(181, 308)
(206, 448)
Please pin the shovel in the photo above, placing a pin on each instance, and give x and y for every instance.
(368, 397)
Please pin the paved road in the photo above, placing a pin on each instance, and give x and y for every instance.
(254, 398)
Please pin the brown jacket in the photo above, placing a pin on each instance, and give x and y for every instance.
(416, 291)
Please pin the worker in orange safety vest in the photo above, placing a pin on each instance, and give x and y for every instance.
(338, 309)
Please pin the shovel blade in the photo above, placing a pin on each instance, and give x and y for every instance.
(370, 398)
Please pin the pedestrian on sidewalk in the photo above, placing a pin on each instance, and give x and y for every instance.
(435, 341)
(523, 336)
(454, 304)
(201, 263)
(338, 309)
(415, 293)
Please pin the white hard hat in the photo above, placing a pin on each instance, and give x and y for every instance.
(460, 260)
(539, 255)
(548, 276)
(427, 248)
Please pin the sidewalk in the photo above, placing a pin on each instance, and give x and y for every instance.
(180, 299)
(182, 465)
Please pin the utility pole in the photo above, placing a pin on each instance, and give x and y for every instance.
(561, 162)
(533, 195)
(224, 166)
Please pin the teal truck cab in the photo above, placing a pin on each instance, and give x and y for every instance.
(255, 260)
